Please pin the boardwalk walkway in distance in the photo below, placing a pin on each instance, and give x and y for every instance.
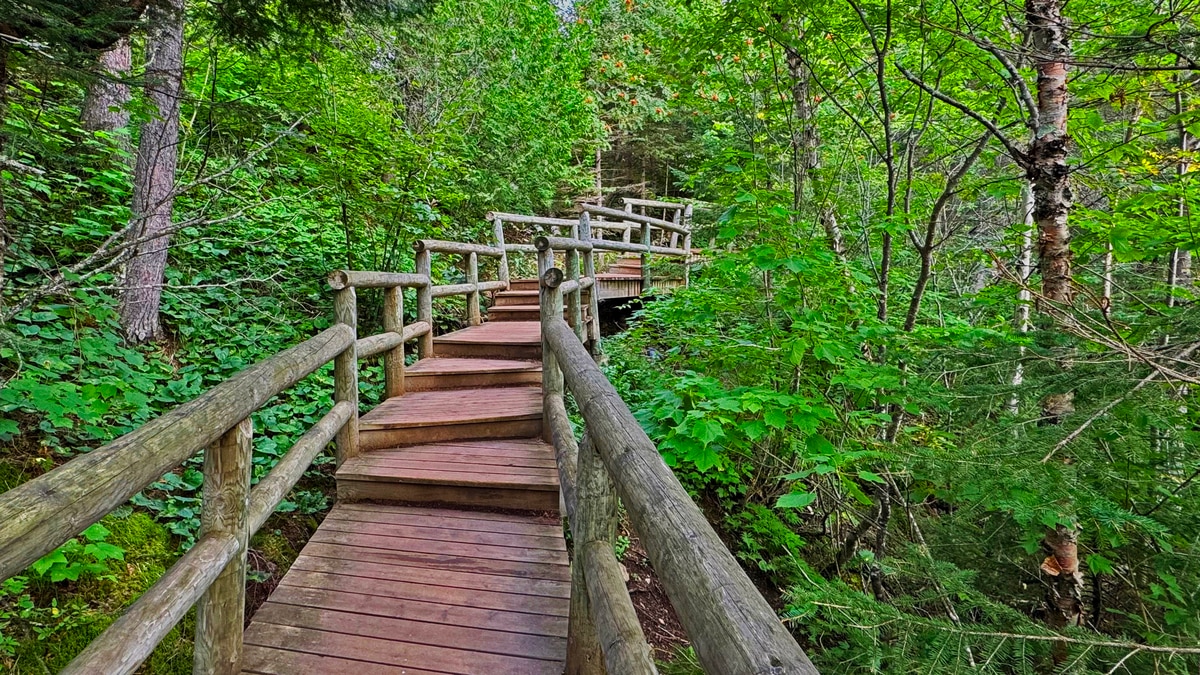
(445, 551)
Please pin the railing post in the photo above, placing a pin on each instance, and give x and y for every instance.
(627, 235)
(589, 270)
(345, 374)
(473, 317)
(646, 259)
(574, 310)
(676, 220)
(220, 613)
(393, 321)
(425, 304)
(687, 244)
(498, 228)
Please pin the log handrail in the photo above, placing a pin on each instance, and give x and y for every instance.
(339, 279)
(653, 203)
(635, 217)
(40, 515)
(439, 246)
(731, 626)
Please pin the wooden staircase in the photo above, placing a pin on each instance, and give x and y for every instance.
(445, 552)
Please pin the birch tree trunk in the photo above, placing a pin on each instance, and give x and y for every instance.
(154, 174)
(1048, 171)
(104, 105)
(806, 153)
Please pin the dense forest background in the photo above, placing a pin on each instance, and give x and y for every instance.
(933, 379)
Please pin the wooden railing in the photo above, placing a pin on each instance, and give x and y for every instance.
(676, 243)
(731, 626)
(42, 514)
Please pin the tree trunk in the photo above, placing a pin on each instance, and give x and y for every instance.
(104, 106)
(1047, 158)
(1025, 269)
(1047, 168)
(154, 174)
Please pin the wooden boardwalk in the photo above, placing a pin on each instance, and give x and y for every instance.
(445, 551)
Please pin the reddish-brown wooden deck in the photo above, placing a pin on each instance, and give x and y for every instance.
(411, 572)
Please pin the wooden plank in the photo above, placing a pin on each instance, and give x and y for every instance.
(427, 408)
(375, 439)
(442, 472)
(526, 570)
(276, 661)
(434, 577)
(416, 610)
(443, 365)
(516, 332)
(463, 637)
(331, 536)
(453, 513)
(454, 457)
(462, 521)
(436, 533)
(375, 650)
(449, 495)
(442, 595)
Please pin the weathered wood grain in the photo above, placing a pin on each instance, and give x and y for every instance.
(467, 289)
(393, 323)
(439, 246)
(339, 279)
(733, 628)
(220, 614)
(345, 374)
(613, 617)
(425, 305)
(38, 516)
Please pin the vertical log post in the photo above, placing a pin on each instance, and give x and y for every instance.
(473, 318)
(646, 258)
(585, 656)
(220, 613)
(687, 244)
(425, 304)
(393, 321)
(574, 310)
(345, 374)
(627, 235)
(676, 220)
(498, 228)
(589, 270)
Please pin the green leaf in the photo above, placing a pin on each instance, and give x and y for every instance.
(775, 417)
(871, 476)
(796, 500)
(1098, 564)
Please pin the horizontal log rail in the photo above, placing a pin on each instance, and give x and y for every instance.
(339, 279)
(38, 516)
(731, 626)
(378, 344)
(653, 203)
(636, 217)
(439, 246)
(561, 244)
(623, 247)
(467, 289)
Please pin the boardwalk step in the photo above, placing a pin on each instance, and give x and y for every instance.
(462, 373)
(499, 340)
(511, 474)
(523, 285)
(523, 313)
(393, 589)
(453, 415)
(510, 297)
